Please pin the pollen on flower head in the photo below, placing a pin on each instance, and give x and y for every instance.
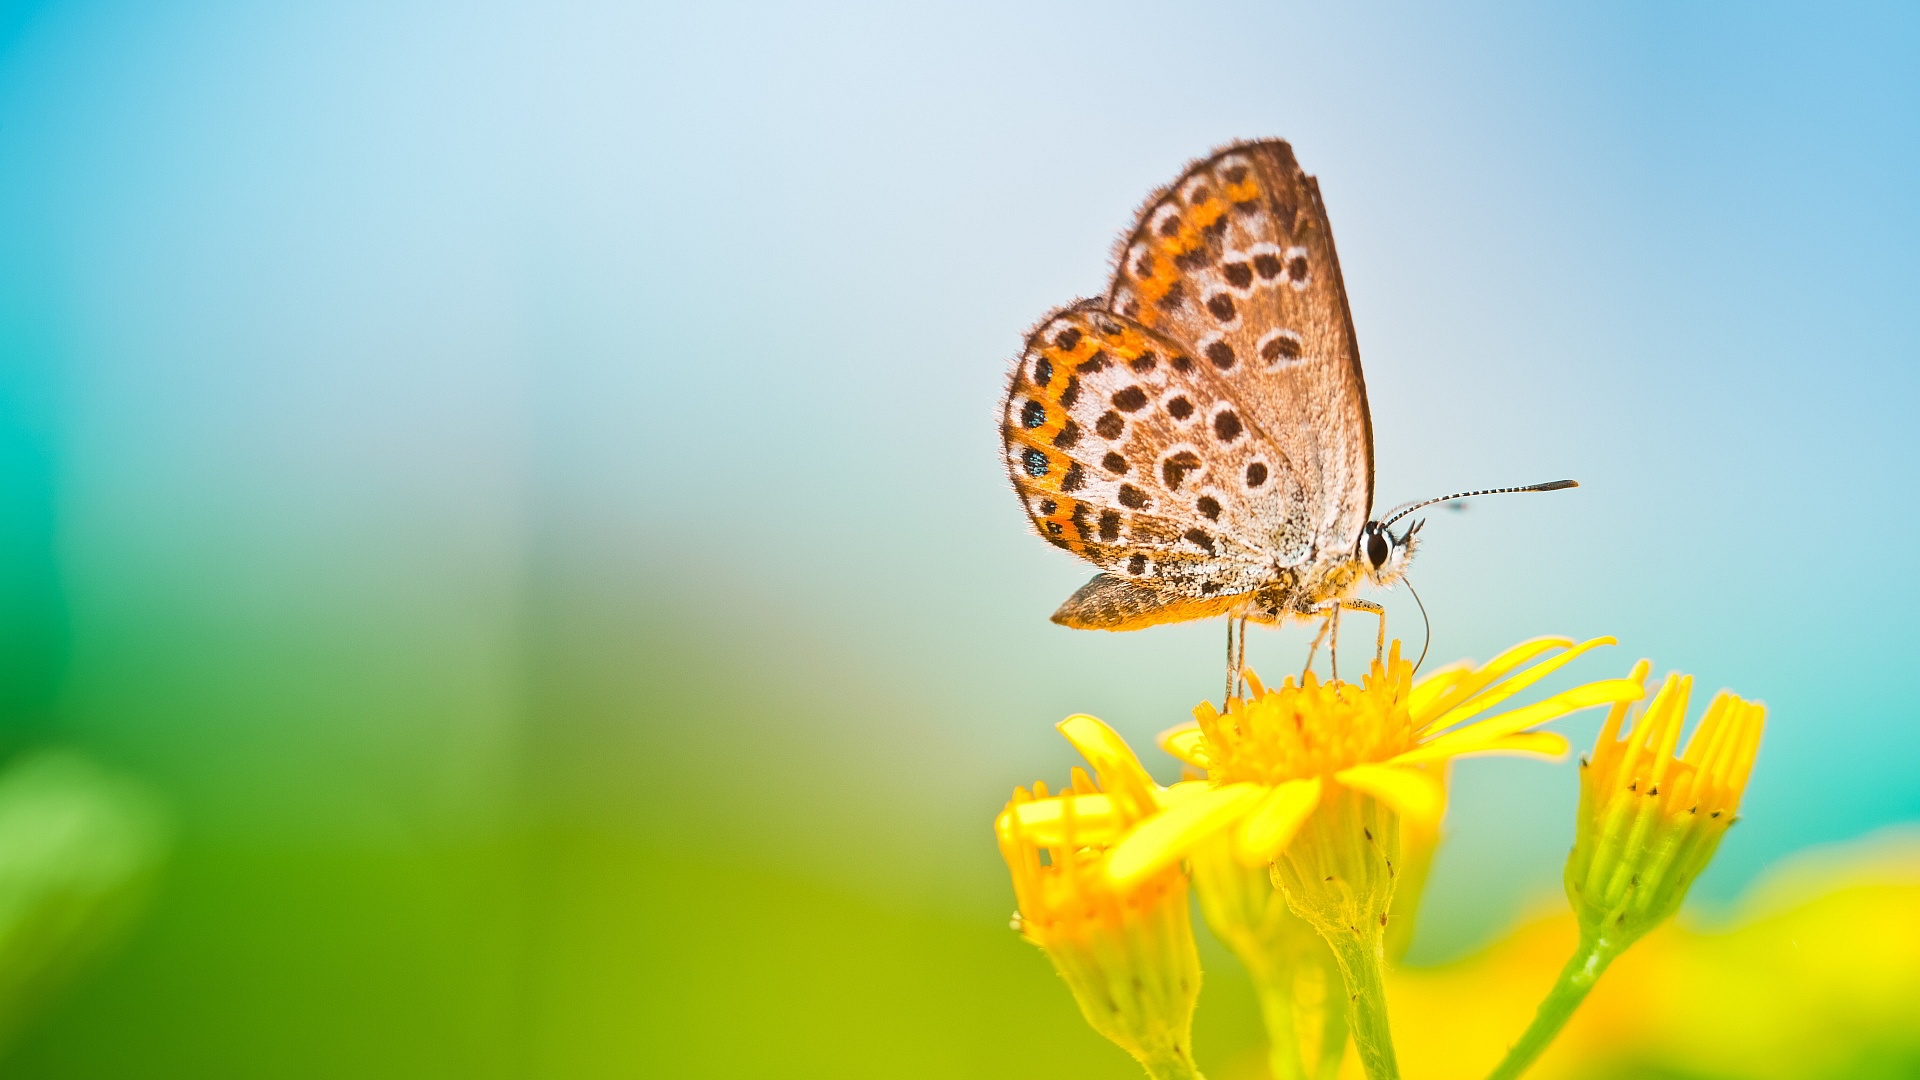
(1275, 756)
(1314, 728)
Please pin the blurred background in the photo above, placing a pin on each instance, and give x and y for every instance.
(507, 497)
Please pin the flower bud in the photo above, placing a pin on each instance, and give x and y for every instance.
(1650, 821)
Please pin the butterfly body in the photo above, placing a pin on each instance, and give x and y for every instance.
(1201, 433)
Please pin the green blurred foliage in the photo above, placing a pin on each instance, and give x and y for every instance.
(78, 849)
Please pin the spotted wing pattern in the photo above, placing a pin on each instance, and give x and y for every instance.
(1235, 261)
(1127, 452)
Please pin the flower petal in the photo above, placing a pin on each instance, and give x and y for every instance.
(1165, 838)
(1186, 742)
(1462, 740)
(1546, 744)
(1608, 747)
(1426, 706)
(1269, 826)
(1500, 690)
(1668, 732)
(1435, 683)
(1044, 821)
(1412, 792)
(1181, 792)
(1121, 774)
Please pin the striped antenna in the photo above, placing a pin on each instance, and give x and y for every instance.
(1551, 485)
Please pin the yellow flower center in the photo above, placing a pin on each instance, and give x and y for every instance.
(1313, 729)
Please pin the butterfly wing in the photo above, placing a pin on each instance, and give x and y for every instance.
(1112, 437)
(1235, 261)
(1111, 602)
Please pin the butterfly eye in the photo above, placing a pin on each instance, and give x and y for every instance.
(1377, 547)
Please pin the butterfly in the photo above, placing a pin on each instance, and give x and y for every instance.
(1201, 433)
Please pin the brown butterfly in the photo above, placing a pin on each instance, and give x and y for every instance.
(1202, 434)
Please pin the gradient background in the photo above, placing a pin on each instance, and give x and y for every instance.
(521, 481)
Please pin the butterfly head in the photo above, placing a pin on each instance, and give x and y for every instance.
(1384, 553)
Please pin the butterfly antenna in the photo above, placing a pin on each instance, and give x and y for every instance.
(1551, 485)
(1426, 624)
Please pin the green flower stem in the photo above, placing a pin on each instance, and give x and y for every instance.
(1576, 980)
(1361, 958)
(1275, 989)
(1333, 1021)
(1172, 1064)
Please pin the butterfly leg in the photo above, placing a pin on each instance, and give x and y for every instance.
(1380, 639)
(1232, 670)
(1314, 649)
(1333, 642)
(1237, 682)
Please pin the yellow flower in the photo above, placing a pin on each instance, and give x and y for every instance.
(1650, 821)
(1317, 778)
(1277, 755)
(1126, 951)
